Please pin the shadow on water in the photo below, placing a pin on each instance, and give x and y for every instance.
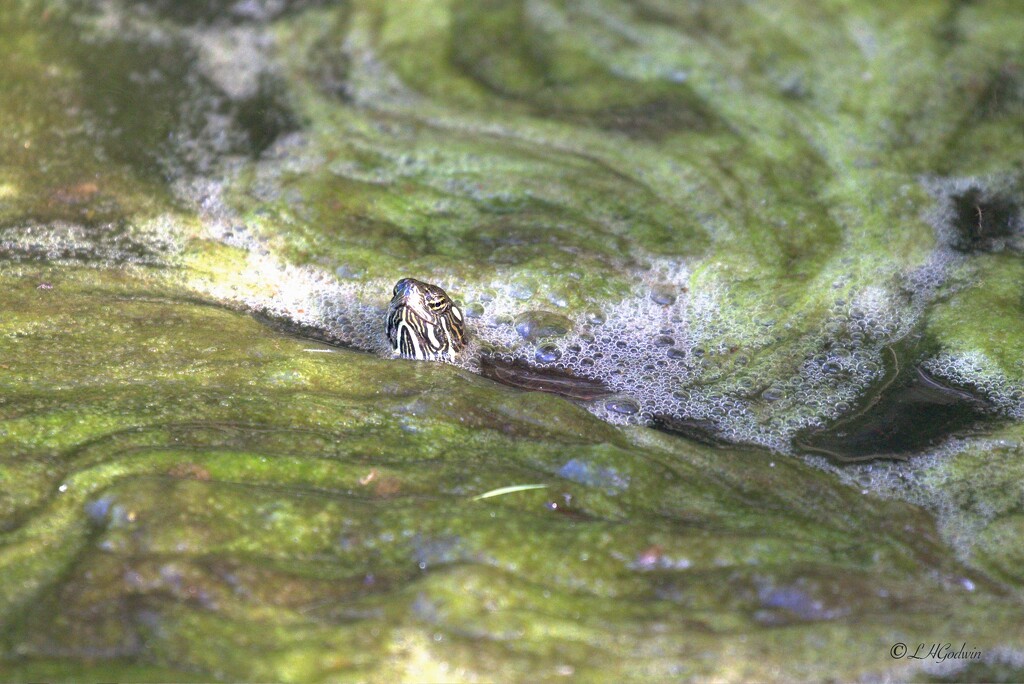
(694, 429)
(293, 328)
(525, 376)
(908, 411)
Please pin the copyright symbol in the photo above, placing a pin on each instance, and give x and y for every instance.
(898, 650)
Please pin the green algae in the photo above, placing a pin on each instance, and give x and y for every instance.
(419, 192)
(980, 502)
(190, 493)
(205, 475)
(72, 147)
(997, 286)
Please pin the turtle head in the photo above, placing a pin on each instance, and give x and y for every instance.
(423, 322)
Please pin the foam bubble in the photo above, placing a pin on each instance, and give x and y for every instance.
(977, 370)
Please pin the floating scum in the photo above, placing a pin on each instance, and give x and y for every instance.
(789, 237)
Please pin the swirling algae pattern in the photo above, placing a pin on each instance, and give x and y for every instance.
(190, 492)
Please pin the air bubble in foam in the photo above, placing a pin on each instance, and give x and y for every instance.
(925, 480)
(151, 242)
(975, 369)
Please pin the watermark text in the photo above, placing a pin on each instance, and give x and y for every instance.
(935, 651)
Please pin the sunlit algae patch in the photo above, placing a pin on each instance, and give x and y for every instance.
(764, 263)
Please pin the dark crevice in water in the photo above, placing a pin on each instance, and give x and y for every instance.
(984, 221)
(524, 376)
(909, 411)
(701, 431)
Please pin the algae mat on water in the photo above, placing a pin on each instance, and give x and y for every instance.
(790, 230)
(187, 489)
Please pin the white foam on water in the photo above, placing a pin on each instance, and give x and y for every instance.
(676, 346)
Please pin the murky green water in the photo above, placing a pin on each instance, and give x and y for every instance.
(782, 241)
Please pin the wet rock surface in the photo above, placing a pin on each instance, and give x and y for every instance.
(189, 471)
(728, 217)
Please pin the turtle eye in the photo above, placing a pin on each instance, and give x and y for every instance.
(436, 304)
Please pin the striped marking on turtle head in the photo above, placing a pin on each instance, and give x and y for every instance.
(423, 322)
